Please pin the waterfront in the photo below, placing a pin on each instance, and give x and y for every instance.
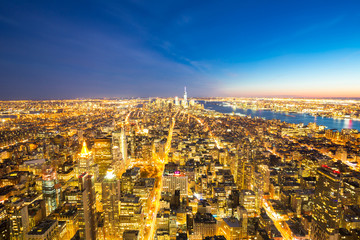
(297, 118)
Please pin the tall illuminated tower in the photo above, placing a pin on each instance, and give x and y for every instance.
(102, 154)
(123, 146)
(86, 207)
(111, 198)
(185, 95)
(50, 192)
(119, 146)
(85, 160)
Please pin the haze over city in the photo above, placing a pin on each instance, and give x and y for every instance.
(77, 49)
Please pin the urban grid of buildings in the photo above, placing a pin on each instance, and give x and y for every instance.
(166, 169)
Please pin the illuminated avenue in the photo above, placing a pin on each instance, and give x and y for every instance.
(170, 169)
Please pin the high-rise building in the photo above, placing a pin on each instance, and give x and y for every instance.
(265, 177)
(177, 101)
(192, 102)
(128, 180)
(248, 200)
(131, 214)
(37, 212)
(86, 207)
(86, 162)
(205, 225)
(326, 211)
(45, 230)
(4, 223)
(19, 219)
(175, 200)
(147, 152)
(119, 147)
(116, 152)
(244, 173)
(175, 180)
(351, 191)
(103, 154)
(185, 103)
(110, 199)
(50, 190)
(67, 213)
(232, 228)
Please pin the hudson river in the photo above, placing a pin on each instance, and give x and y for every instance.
(297, 118)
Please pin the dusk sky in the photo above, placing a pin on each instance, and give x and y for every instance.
(142, 48)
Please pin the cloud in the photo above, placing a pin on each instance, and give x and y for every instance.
(73, 61)
(305, 31)
(318, 26)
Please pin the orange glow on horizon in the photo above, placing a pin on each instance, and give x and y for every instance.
(308, 93)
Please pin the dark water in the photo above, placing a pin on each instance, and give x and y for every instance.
(297, 118)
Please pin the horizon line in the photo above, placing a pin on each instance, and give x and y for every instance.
(210, 97)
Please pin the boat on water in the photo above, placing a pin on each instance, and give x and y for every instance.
(240, 114)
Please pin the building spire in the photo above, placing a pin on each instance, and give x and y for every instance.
(185, 95)
(185, 98)
(84, 150)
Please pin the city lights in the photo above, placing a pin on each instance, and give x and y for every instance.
(179, 120)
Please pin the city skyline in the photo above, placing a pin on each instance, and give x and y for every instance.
(58, 50)
(179, 120)
(135, 169)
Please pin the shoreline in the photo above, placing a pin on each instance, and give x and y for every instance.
(346, 122)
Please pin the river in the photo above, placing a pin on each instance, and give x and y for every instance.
(329, 123)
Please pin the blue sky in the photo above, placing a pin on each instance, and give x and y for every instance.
(69, 49)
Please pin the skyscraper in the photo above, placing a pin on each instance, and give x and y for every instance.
(185, 95)
(86, 207)
(85, 160)
(248, 200)
(326, 212)
(128, 180)
(51, 193)
(19, 218)
(111, 198)
(119, 147)
(185, 98)
(130, 214)
(175, 180)
(103, 154)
